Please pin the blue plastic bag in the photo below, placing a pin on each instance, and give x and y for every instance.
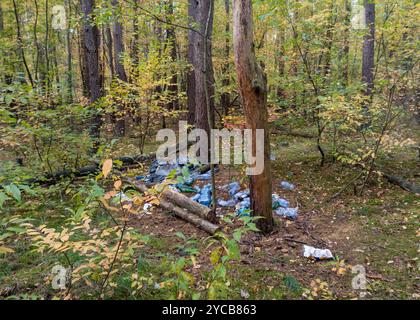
(291, 213)
(287, 186)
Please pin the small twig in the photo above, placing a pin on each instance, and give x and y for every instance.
(113, 260)
(292, 240)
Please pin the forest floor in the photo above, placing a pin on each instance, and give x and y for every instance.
(379, 231)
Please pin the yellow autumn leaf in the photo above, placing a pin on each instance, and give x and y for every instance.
(138, 201)
(110, 194)
(155, 202)
(127, 206)
(117, 184)
(5, 250)
(106, 167)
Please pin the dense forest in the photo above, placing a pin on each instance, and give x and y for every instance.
(90, 91)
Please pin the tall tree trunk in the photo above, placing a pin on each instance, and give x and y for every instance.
(192, 17)
(295, 61)
(119, 50)
(225, 98)
(203, 66)
(20, 44)
(46, 45)
(369, 49)
(136, 36)
(253, 90)
(171, 41)
(346, 49)
(37, 54)
(69, 97)
(1, 19)
(109, 50)
(329, 42)
(118, 43)
(93, 73)
(281, 67)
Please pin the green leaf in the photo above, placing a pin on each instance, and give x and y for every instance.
(3, 198)
(185, 172)
(234, 251)
(237, 235)
(8, 99)
(253, 227)
(181, 235)
(214, 256)
(17, 230)
(14, 191)
(292, 284)
(27, 189)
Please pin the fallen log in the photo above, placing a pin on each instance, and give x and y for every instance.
(51, 178)
(289, 132)
(87, 170)
(179, 199)
(404, 184)
(193, 218)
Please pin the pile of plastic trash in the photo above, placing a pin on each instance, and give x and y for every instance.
(241, 200)
(159, 171)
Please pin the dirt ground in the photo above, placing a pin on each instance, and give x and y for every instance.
(377, 233)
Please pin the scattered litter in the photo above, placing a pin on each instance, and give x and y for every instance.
(279, 202)
(156, 286)
(204, 176)
(159, 170)
(189, 181)
(234, 188)
(284, 144)
(138, 178)
(204, 196)
(146, 208)
(164, 170)
(291, 213)
(173, 188)
(244, 294)
(243, 207)
(272, 157)
(287, 186)
(241, 195)
(317, 254)
(185, 188)
(243, 212)
(226, 203)
(121, 196)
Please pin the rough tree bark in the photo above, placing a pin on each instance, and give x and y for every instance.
(47, 50)
(369, 49)
(201, 19)
(280, 61)
(20, 44)
(253, 91)
(117, 33)
(346, 49)
(107, 35)
(1, 19)
(91, 65)
(192, 12)
(136, 37)
(171, 41)
(69, 57)
(117, 30)
(225, 97)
